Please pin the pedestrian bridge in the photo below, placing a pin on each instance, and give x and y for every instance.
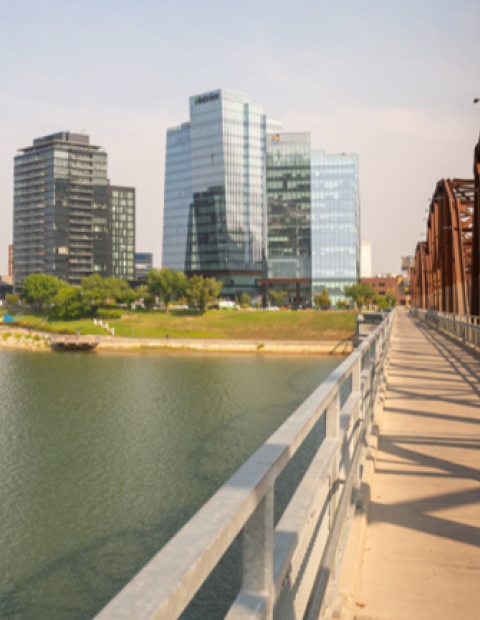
(384, 524)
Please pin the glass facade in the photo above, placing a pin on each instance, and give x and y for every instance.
(177, 197)
(335, 207)
(143, 265)
(215, 191)
(288, 252)
(122, 232)
(246, 202)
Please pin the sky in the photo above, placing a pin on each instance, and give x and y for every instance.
(393, 82)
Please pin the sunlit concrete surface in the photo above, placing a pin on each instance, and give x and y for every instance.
(422, 548)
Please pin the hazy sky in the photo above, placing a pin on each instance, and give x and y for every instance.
(393, 81)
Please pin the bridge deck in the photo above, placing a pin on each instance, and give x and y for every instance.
(422, 550)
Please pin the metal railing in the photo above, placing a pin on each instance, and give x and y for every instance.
(289, 570)
(464, 327)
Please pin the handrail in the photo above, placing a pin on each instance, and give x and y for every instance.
(463, 327)
(282, 566)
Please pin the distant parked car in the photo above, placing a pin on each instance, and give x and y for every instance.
(272, 308)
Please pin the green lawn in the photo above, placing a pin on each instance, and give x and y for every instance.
(240, 325)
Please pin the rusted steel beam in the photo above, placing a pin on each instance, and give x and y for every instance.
(475, 288)
(447, 264)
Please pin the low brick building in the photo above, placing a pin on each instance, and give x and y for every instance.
(390, 284)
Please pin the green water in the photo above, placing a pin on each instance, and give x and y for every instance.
(104, 457)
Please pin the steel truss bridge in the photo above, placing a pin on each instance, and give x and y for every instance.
(446, 276)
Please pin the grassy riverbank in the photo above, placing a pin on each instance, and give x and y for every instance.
(214, 324)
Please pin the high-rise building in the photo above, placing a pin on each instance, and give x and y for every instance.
(335, 223)
(61, 212)
(60, 182)
(215, 190)
(313, 219)
(122, 231)
(143, 265)
(288, 248)
(10, 260)
(366, 269)
(254, 207)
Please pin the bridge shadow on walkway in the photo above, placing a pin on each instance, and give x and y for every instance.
(422, 553)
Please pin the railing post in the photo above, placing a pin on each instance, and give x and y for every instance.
(257, 547)
(356, 376)
(332, 431)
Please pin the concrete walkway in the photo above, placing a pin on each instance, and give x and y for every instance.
(422, 547)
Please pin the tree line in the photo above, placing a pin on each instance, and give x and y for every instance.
(360, 294)
(94, 292)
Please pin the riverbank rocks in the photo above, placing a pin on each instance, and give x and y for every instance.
(23, 339)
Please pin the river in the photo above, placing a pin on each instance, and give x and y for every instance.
(103, 457)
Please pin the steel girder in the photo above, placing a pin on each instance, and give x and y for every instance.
(418, 279)
(445, 259)
(475, 300)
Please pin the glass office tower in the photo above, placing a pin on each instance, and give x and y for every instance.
(122, 232)
(177, 197)
(215, 191)
(288, 245)
(335, 205)
(288, 206)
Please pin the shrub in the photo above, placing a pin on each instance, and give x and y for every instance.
(108, 314)
(245, 300)
(12, 299)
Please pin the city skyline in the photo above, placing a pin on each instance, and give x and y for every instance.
(380, 81)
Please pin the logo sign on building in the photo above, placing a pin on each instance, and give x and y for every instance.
(205, 98)
(275, 138)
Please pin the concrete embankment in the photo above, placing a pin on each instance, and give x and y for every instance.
(18, 338)
(326, 347)
(24, 339)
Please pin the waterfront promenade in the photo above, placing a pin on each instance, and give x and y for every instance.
(421, 556)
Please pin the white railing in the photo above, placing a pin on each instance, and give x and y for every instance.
(464, 327)
(289, 570)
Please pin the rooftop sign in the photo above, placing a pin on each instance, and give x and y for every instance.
(205, 98)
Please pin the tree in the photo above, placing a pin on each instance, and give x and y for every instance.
(98, 291)
(68, 303)
(167, 284)
(360, 293)
(278, 296)
(381, 301)
(201, 291)
(12, 299)
(391, 300)
(40, 289)
(245, 300)
(95, 291)
(121, 291)
(323, 300)
(342, 304)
